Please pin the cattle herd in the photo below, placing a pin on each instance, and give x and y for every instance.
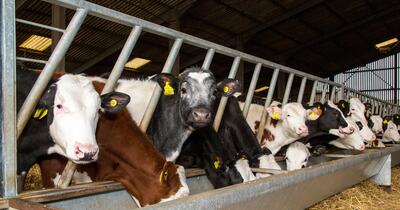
(101, 134)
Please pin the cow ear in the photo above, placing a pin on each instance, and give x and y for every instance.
(228, 87)
(344, 105)
(386, 119)
(45, 102)
(168, 83)
(312, 115)
(274, 112)
(217, 162)
(114, 102)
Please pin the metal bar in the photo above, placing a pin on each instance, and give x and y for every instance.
(313, 92)
(381, 108)
(268, 101)
(8, 150)
(31, 60)
(122, 59)
(333, 94)
(44, 78)
(224, 100)
(287, 89)
(323, 95)
(169, 63)
(301, 90)
(252, 87)
(40, 25)
(208, 59)
(341, 93)
(128, 20)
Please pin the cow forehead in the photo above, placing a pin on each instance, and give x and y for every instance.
(296, 108)
(355, 103)
(76, 89)
(199, 76)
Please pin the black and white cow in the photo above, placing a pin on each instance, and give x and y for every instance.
(65, 119)
(186, 104)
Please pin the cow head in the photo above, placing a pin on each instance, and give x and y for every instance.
(375, 122)
(353, 141)
(196, 90)
(357, 114)
(293, 117)
(390, 131)
(333, 121)
(72, 106)
(297, 156)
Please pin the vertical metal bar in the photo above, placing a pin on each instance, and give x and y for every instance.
(224, 100)
(372, 107)
(381, 109)
(301, 90)
(122, 59)
(59, 52)
(323, 95)
(252, 87)
(341, 93)
(169, 63)
(313, 92)
(8, 150)
(333, 94)
(287, 89)
(208, 59)
(268, 101)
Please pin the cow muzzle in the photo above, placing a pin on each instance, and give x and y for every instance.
(200, 117)
(302, 131)
(86, 152)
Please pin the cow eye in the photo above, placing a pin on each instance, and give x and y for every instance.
(183, 90)
(59, 106)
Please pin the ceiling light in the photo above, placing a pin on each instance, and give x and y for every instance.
(136, 63)
(261, 89)
(386, 43)
(35, 42)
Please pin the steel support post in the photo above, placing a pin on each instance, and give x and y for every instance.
(224, 100)
(333, 94)
(169, 63)
(301, 90)
(313, 92)
(26, 110)
(383, 177)
(323, 95)
(208, 59)
(287, 89)
(268, 101)
(8, 149)
(251, 89)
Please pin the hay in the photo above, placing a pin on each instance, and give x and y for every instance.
(33, 180)
(365, 195)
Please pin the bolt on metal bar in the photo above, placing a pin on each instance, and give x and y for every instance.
(313, 93)
(252, 87)
(122, 59)
(44, 78)
(224, 100)
(31, 60)
(8, 150)
(208, 59)
(40, 25)
(333, 94)
(116, 72)
(301, 90)
(169, 63)
(288, 88)
(268, 101)
(323, 95)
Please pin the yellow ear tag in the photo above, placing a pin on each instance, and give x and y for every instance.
(113, 102)
(397, 117)
(276, 116)
(226, 89)
(343, 106)
(168, 90)
(37, 113)
(216, 164)
(385, 122)
(163, 176)
(312, 115)
(44, 113)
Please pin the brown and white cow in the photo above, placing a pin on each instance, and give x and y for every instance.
(126, 156)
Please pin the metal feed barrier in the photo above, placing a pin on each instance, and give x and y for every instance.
(283, 191)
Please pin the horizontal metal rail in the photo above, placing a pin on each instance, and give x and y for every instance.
(31, 60)
(39, 25)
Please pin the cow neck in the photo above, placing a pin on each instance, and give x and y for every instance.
(167, 127)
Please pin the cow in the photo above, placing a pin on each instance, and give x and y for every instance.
(127, 156)
(65, 119)
(283, 125)
(375, 122)
(390, 132)
(296, 156)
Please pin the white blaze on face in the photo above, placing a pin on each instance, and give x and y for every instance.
(376, 124)
(297, 156)
(353, 141)
(357, 109)
(293, 119)
(183, 190)
(75, 116)
(391, 133)
(242, 166)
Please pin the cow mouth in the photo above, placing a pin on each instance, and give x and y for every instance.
(200, 124)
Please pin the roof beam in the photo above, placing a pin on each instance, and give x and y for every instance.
(342, 30)
(181, 8)
(248, 34)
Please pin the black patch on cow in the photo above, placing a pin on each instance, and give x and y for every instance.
(359, 125)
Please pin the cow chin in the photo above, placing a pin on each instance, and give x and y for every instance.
(338, 133)
(199, 124)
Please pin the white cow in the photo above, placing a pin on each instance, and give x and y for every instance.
(297, 155)
(356, 114)
(390, 134)
(352, 141)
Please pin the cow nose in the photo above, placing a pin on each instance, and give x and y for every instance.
(362, 147)
(86, 152)
(200, 115)
(351, 129)
(302, 130)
